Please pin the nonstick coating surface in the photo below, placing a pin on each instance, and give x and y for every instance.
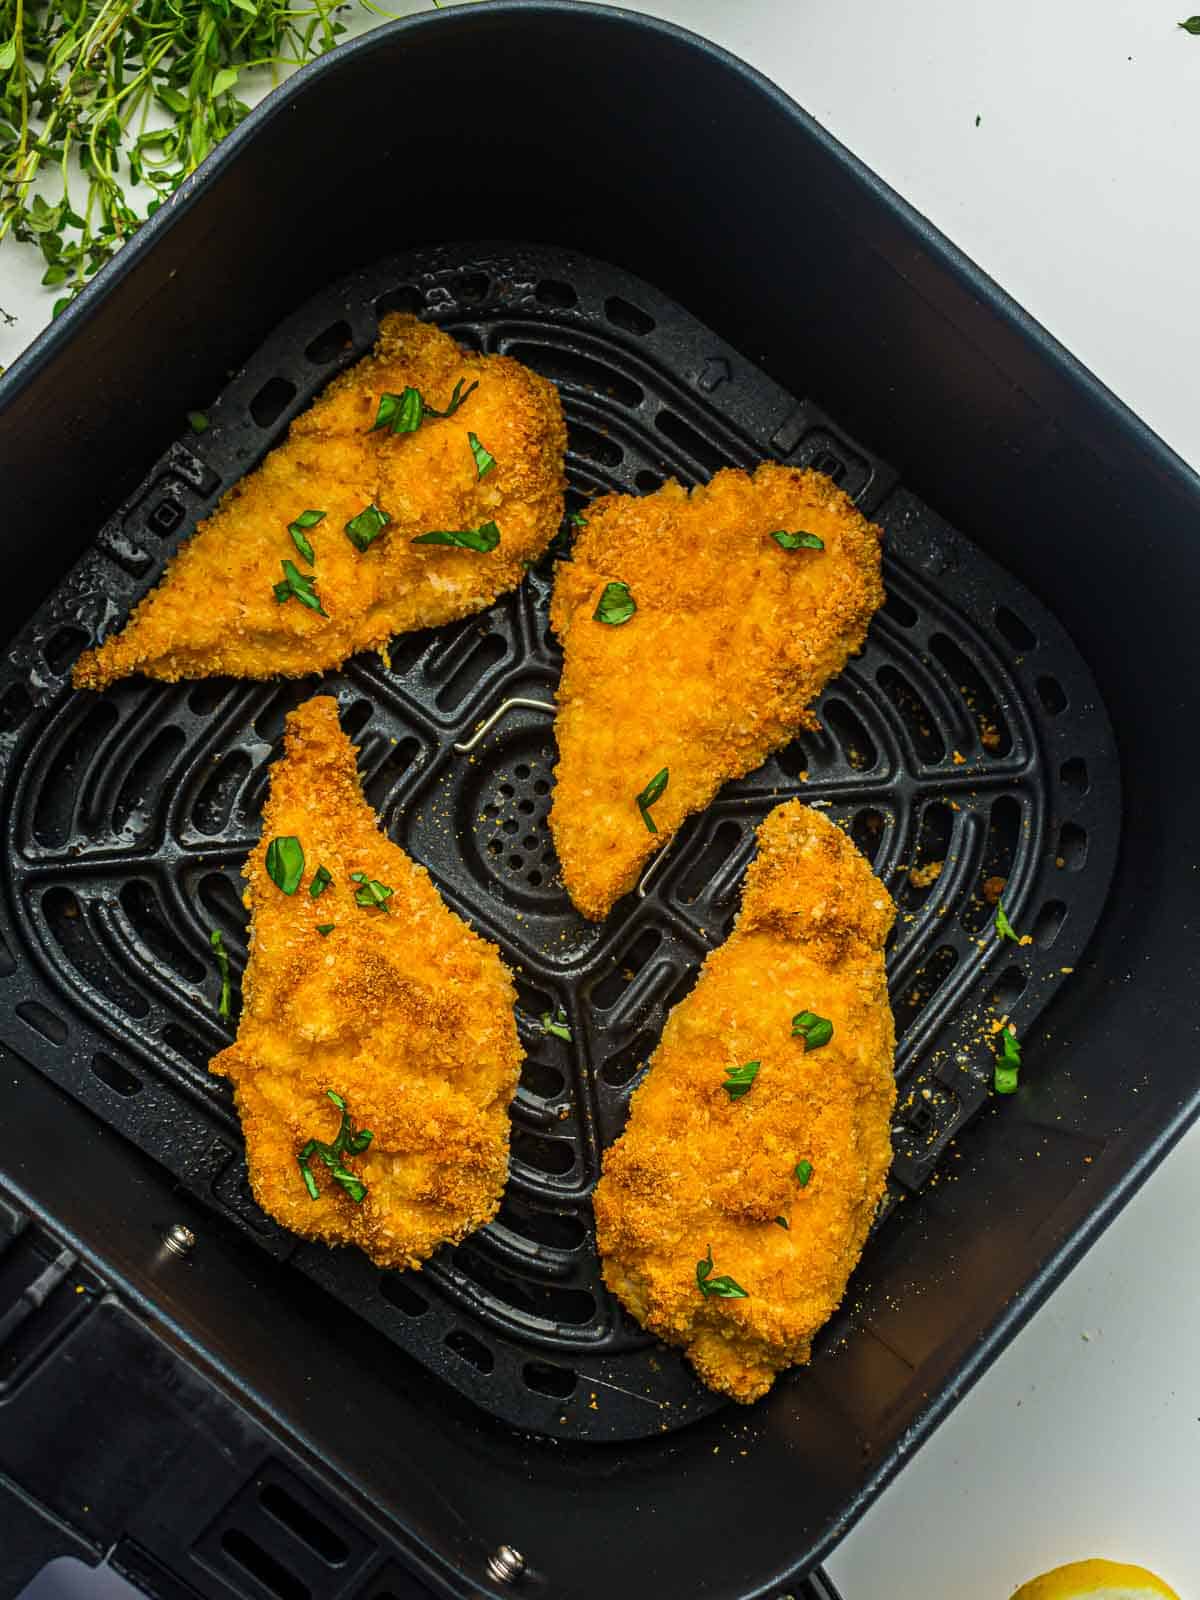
(968, 732)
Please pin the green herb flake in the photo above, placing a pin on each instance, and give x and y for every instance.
(347, 1142)
(653, 792)
(222, 955)
(1004, 928)
(325, 928)
(457, 397)
(401, 413)
(484, 538)
(1192, 26)
(365, 528)
(814, 1030)
(299, 533)
(321, 879)
(784, 1223)
(484, 459)
(723, 1287)
(370, 892)
(285, 863)
(557, 1024)
(616, 605)
(1008, 1063)
(297, 585)
(797, 541)
(577, 519)
(740, 1079)
(804, 1171)
(197, 421)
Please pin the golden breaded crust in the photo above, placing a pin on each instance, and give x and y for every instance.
(215, 610)
(733, 639)
(696, 1169)
(406, 1013)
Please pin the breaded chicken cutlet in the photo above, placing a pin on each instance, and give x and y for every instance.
(311, 557)
(733, 1209)
(369, 1009)
(697, 630)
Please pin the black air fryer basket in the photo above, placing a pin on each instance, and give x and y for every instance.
(710, 280)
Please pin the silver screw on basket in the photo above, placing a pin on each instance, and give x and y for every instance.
(506, 1565)
(178, 1239)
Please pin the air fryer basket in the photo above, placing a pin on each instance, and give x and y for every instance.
(970, 732)
(966, 740)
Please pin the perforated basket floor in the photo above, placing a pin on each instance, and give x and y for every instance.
(968, 733)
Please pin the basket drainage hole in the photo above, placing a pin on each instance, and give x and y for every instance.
(534, 879)
(1009, 988)
(406, 298)
(1052, 694)
(307, 1527)
(544, 1378)
(263, 1566)
(61, 648)
(525, 807)
(1014, 630)
(471, 287)
(329, 344)
(507, 790)
(165, 518)
(471, 1350)
(1073, 775)
(271, 401)
(521, 772)
(42, 1020)
(516, 862)
(1072, 847)
(398, 1292)
(1049, 920)
(630, 318)
(541, 786)
(559, 296)
(899, 610)
(117, 1077)
(510, 825)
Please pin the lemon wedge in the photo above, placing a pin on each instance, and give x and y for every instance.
(1096, 1580)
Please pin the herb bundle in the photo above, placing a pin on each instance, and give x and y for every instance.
(106, 106)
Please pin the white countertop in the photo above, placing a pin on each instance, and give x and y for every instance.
(1077, 192)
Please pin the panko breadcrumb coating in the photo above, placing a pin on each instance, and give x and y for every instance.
(405, 1013)
(698, 1171)
(215, 610)
(732, 640)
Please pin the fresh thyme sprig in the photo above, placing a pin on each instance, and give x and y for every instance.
(107, 105)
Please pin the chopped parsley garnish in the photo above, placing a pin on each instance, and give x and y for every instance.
(557, 1024)
(577, 519)
(347, 1143)
(458, 395)
(370, 891)
(1004, 928)
(324, 928)
(1008, 1063)
(616, 605)
(814, 1030)
(740, 1079)
(285, 863)
(653, 791)
(484, 459)
(723, 1287)
(797, 541)
(222, 956)
(784, 1223)
(406, 411)
(402, 413)
(483, 538)
(298, 531)
(1192, 25)
(198, 422)
(804, 1171)
(321, 879)
(365, 528)
(296, 586)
